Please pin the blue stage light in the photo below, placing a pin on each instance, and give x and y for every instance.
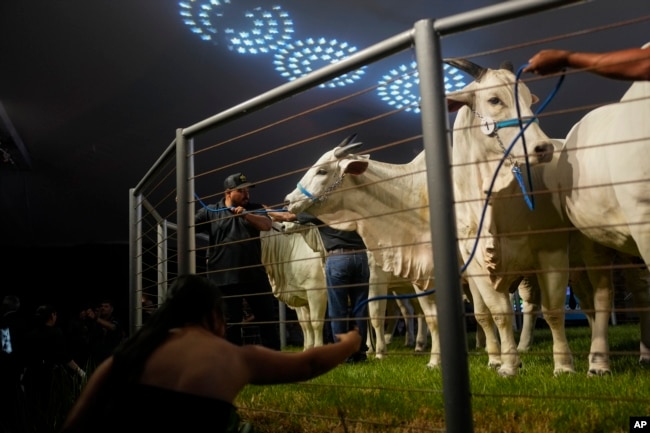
(298, 58)
(400, 87)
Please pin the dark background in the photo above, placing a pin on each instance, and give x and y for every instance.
(68, 277)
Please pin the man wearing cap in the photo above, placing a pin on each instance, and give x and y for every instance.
(235, 258)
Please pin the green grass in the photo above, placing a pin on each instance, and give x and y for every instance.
(399, 394)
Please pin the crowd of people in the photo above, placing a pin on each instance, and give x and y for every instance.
(43, 361)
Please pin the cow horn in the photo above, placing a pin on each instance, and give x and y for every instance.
(507, 65)
(347, 146)
(471, 68)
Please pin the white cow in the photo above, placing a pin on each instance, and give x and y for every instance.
(296, 275)
(380, 283)
(342, 186)
(387, 202)
(604, 180)
(514, 240)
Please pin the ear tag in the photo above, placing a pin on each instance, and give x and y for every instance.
(488, 126)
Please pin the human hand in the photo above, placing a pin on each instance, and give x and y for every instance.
(548, 62)
(352, 337)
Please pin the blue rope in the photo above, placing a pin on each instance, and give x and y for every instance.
(209, 209)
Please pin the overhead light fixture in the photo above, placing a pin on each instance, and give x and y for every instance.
(271, 29)
(199, 16)
(299, 58)
(400, 87)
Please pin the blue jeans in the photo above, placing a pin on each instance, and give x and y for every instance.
(347, 288)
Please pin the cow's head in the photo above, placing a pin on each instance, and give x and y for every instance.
(488, 119)
(327, 175)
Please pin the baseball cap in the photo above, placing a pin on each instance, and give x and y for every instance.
(236, 181)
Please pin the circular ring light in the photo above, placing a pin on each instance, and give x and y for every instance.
(299, 58)
(270, 30)
(198, 17)
(400, 88)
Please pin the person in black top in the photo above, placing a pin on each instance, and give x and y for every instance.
(179, 367)
(347, 275)
(106, 332)
(235, 258)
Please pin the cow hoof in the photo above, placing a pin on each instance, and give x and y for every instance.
(599, 372)
(564, 370)
(507, 372)
(493, 365)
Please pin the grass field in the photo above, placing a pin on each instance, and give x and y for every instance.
(399, 394)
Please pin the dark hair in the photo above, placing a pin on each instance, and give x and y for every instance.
(43, 314)
(191, 300)
(10, 303)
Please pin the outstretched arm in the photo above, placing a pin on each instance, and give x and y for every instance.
(631, 64)
(267, 366)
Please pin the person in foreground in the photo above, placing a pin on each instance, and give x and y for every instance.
(632, 64)
(180, 368)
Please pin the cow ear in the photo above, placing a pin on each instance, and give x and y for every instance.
(354, 167)
(534, 98)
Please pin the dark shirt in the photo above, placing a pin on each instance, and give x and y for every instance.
(45, 346)
(149, 408)
(103, 341)
(235, 253)
(333, 239)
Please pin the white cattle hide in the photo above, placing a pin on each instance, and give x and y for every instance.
(380, 283)
(514, 241)
(388, 202)
(604, 179)
(296, 275)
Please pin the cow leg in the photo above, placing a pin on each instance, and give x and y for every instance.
(553, 286)
(530, 295)
(638, 283)
(594, 290)
(377, 312)
(485, 320)
(317, 300)
(390, 324)
(305, 325)
(406, 310)
(428, 304)
(423, 330)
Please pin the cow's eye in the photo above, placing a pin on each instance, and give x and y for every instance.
(494, 101)
(321, 172)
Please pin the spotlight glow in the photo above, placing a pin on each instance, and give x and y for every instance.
(270, 30)
(198, 17)
(299, 58)
(400, 87)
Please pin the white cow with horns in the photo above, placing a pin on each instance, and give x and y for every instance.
(344, 186)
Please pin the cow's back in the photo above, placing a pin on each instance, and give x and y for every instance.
(604, 171)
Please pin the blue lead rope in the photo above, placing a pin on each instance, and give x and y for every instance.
(209, 209)
(520, 180)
